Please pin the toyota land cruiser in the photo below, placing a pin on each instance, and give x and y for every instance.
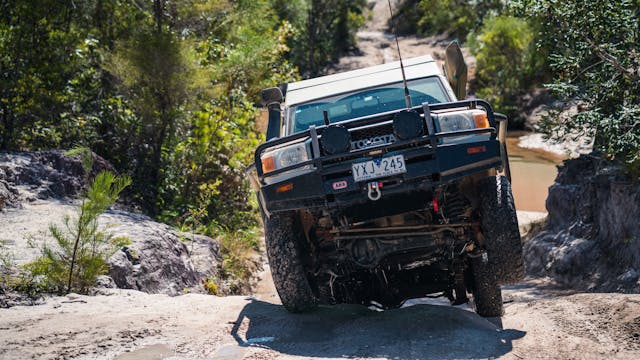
(371, 200)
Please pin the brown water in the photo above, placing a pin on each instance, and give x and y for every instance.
(532, 172)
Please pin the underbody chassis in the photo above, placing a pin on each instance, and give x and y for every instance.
(381, 241)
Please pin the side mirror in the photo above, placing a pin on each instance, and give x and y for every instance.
(271, 95)
(455, 69)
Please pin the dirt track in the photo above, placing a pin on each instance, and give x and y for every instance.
(539, 323)
(377, 46)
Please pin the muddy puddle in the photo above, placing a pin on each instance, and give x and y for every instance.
(532, 172)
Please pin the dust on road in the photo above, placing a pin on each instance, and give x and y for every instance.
(539, 322)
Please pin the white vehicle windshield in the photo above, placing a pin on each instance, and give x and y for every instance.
(365, 102)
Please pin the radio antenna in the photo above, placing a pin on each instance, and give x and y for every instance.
(407, 97)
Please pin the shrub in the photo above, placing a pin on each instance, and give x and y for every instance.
(595, 61)
(6, 266)
(81, 248)
(322, 30)
(507, 61)
(456, 17)
(433, 17)
(210, 285)
(238, 249)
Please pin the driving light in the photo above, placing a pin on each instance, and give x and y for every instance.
(335, 139)
(268, 164)
(407, 125)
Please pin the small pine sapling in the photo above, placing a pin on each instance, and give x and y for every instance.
(82, 248)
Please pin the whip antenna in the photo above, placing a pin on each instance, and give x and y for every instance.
(407, 97)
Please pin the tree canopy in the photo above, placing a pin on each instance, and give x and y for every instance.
(164, 90)
(594, 56)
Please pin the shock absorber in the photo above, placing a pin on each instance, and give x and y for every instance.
(453, 206)
(459, 287)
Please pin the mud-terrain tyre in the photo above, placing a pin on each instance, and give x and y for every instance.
(500, 228)
(487, 296)
(282, 233)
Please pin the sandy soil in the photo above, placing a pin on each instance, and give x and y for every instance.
(24, 229)
(540, 322)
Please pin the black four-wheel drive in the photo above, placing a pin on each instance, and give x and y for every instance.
(368, 199)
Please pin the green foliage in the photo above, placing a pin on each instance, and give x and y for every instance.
(211, 286)
(32, 84)
(159, 73)
(81, 248)
(6, 268)
(86, 156)
(164, 90)
(595, 61)
(508, 63)
(204, 173)
(250, 55)
(322, 30)
(6, 257)
(456, 18)
(22, 281)
(16, 279)
(238, 249)
(209, 173)
(51, 83)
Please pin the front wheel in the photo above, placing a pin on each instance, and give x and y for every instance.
(500, 228)
(487, 296)
(282, 235)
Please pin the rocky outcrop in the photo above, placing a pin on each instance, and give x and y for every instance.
(8, 194)
(46, 174)
(158, 259)
(592, 238)
(37, 189)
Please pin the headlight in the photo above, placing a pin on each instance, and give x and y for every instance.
(286, 156)
(461, 120)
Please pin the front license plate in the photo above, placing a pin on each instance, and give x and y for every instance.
(378, 168)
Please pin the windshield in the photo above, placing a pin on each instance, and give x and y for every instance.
(365, 102)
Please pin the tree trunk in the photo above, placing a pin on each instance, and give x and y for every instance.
(81, 227)
(311, 30)
(7, 131)
(158, 7)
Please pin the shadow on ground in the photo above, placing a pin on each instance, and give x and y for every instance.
(531, 289)
(348, 331)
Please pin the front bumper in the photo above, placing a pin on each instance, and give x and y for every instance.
(426, 170)
(430, 162)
